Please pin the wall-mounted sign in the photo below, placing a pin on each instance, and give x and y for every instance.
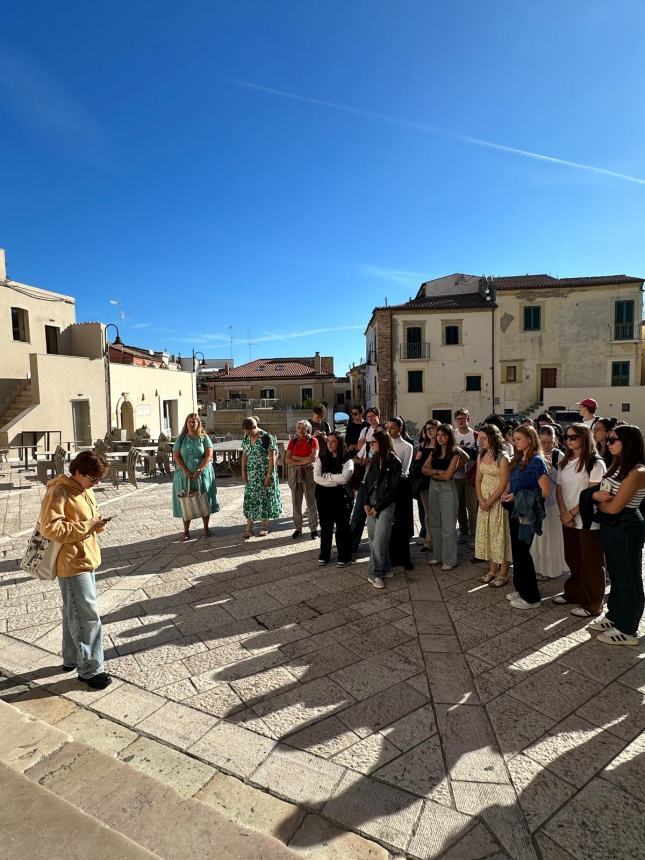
(143, 409)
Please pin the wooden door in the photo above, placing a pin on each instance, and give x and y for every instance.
(548, 379)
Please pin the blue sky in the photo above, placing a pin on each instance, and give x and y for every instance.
(284, 167)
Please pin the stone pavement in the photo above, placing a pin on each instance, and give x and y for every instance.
(430, 717)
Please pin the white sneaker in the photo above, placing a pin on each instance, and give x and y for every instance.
(433, 561)
(512, 595)
(376, 581)
(448, 566)
(615, 637)
(600, 624)
(519, 603)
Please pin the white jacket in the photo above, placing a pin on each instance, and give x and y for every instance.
(331, 479)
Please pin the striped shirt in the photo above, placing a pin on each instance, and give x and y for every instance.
(615, 482)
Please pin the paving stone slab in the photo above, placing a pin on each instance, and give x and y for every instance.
(317, 839)
(440, 829)
(471, 749)
(232, 749)
(443, 642)
(373, 714)
(477, 844)
(540, 791)
(320, 663)
(287, 615)
(617, 708)
(635, 677)
(177, 724)
(410, 730)
(575, 750)
(298, 776)
(555, 690)
(324, 738)
(600, 821)
(432, 617)
(377, 810)
(450, 679)
(367, 677)
(24, 740)
(368, 754)
(186, 775)
(420, 771)
(288, 712)
(219, 699)
(128, 704)
(498, 807)
(601, 663)
(380, 639)
(98, 732)
(549, 849)
(44, 706)
(627, 769)
(515, 724)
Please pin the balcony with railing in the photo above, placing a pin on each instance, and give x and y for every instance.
(410, 350)
(625, 331)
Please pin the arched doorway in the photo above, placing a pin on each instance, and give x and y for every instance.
(127, 418)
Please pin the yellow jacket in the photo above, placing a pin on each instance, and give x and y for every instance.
(66, 515)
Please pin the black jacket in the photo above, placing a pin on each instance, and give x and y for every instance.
(382, 484)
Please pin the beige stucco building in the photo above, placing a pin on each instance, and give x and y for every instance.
(57, 384)
(497, 344)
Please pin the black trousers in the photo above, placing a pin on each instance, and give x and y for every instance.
(333, 510)
(403, 526)
(622, 540)
(524, 578)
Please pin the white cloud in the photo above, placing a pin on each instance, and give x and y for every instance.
(398, 276)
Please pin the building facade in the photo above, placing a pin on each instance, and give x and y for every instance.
(498, 344)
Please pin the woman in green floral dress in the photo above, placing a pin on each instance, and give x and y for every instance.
(260, 474)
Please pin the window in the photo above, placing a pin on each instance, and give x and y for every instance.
(267, 393)
(624, 320)
(443, 416)
(307, 395)
(626, 407)
(415, 381)
(413, 344)
(51, 339)
(233, 394)
(532, 318)
(340, 399)
(451, 334)
(619, 373)
(20, 324)
(473, 383)
(511, 373)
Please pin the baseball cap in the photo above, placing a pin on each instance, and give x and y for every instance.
(589, 402)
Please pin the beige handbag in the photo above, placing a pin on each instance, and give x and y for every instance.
(193, 503)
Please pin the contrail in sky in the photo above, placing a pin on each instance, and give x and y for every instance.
(419, 126)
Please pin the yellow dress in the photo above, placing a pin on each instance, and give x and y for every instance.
(493, 536)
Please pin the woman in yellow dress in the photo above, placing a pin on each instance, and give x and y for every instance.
(493, 536)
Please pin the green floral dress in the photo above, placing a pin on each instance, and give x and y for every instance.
(260, 502)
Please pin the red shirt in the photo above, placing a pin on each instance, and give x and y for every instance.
(303, 447)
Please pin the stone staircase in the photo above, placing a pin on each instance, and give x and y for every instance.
(20, 398)
(63, 798)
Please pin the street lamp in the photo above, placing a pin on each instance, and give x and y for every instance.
(106, 360)
(202, 363)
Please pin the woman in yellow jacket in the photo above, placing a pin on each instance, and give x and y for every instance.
(69, 515)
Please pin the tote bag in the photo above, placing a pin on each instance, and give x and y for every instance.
(193, 503)
(40, 556)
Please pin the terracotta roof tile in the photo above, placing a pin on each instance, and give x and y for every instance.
(273, 368)
(534, 282)
(455, 301)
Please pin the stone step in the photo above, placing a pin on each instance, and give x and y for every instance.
(123, 799)
(27, 811)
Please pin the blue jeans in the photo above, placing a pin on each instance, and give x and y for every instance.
(82, 635)
(357, 523)
(442, 502)
(379, 530)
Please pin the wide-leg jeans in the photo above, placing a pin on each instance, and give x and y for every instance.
(82, 633)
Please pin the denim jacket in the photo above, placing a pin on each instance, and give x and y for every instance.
(528, 506)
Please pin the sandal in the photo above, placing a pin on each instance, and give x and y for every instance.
(247, 533)
(498, 582)
(264, 531)
(487, 577)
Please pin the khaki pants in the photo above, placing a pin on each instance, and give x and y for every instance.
(303, 486)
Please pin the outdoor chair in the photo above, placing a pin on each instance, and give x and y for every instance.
(100, 447)
(55, 466)
(125, 471)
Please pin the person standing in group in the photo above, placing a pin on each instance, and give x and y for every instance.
(361, 461)
(354, 430)
(466, 438)
(547, 550)
(442, 496)
(332, 474)
(529, 484)
(403, 526)
(588, 408)
(601, 431)
(300, 457)
(192, 453)
(381, 486)
(70, 516)
(581, 468)
(427, 441)
(260, 475)
(319, 425)
(492, 537)
(622, 531)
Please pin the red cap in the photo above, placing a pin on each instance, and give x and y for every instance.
(589, 402)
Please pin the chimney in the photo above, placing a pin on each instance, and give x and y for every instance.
(317, 363)
(3, 266)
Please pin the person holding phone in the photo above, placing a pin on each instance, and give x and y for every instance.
(69, 515)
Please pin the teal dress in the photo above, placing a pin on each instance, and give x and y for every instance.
(192, 453)
(260, 502)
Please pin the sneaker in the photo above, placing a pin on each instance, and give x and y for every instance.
(376, 581)
(322, 561)
(296, 534)
(433, 561)
(314, 535)
(559, 598)
(68, 668)
(615, 637)
(342, 563)
(601, 624)
(97, 682)
(581, 612)
(512, 595)
(448, 566)
(519, 603)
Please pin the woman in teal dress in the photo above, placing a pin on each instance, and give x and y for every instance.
(193, 457)
(260, 475)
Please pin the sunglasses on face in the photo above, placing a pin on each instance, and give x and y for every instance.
(612, 439)
(571, 436)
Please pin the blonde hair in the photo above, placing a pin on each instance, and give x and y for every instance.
(201, 431)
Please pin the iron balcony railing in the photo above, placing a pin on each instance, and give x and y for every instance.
(414, 350)
(624, 331)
